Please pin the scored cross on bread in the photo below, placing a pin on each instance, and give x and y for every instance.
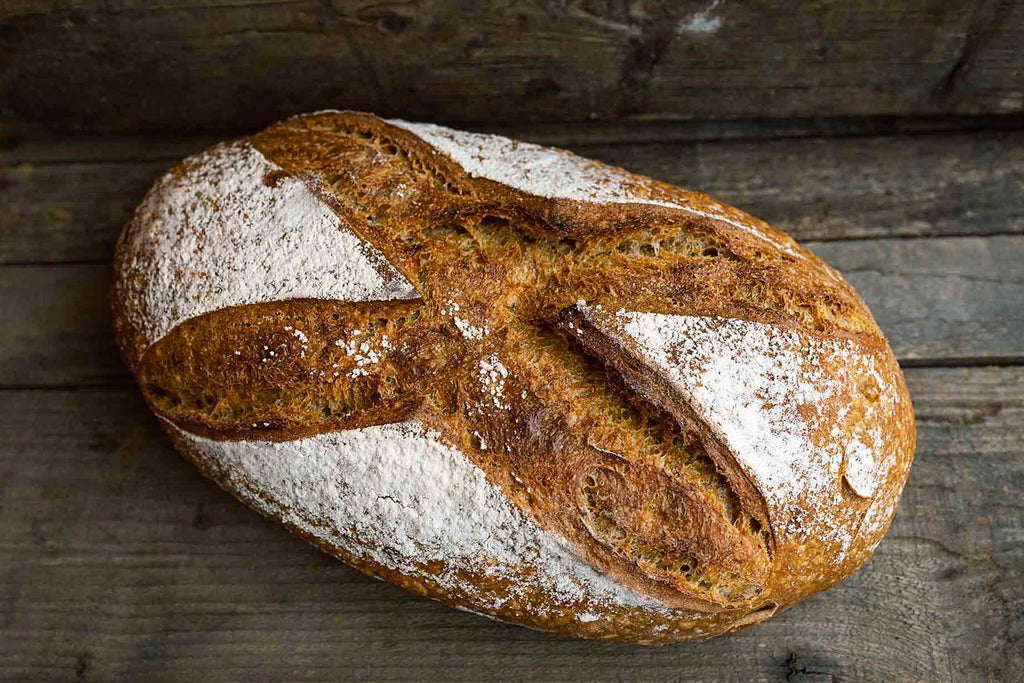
(694, 404)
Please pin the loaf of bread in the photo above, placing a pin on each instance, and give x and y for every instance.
(500, 375)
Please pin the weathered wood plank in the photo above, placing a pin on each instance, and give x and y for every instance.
(117, 560)
(945, 299)
(67, 200)
(56, 327)
(841, 188)
(69, 212)
(188, 65)
(942, 299)
(20, 143)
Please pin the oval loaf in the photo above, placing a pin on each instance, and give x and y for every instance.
(531, 385)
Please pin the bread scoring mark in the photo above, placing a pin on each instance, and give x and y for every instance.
(559, 174)
(671, 535)
(670, 456)
(217, 234)
(399, 496)
(289, 369)
(781, 401)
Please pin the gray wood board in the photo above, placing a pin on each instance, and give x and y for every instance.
(67, 200)
(939, 300)
(56, 327)
(118, 561)
(217, 64)
(946, 300)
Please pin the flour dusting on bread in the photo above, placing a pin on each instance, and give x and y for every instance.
(398, 495)
(767, 391)
(559, 174)
(228, 228)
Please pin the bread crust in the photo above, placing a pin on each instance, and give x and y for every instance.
(697, 407)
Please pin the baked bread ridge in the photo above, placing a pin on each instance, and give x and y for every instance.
(550, 321)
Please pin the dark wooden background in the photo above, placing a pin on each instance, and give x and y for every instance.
(886, 134)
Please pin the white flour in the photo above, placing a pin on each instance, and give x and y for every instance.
(761, 387)
(220, 236)
(402, 498)
(557, 173)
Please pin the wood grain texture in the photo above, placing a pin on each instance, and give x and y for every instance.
(950, 300)
(135, 567)
(851, 187)
(57, 328)
(126, 65)
(941, 300)
(66, 200)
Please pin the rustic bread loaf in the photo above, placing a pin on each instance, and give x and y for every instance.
(531, 385)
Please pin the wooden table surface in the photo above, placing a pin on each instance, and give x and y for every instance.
(894, 149)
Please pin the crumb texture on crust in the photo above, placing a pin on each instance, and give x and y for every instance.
(803, 415)
(541, 171)
(558, 174)
(399, 340)
(229, 228)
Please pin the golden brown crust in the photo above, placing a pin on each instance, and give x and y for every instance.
(585, 436)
